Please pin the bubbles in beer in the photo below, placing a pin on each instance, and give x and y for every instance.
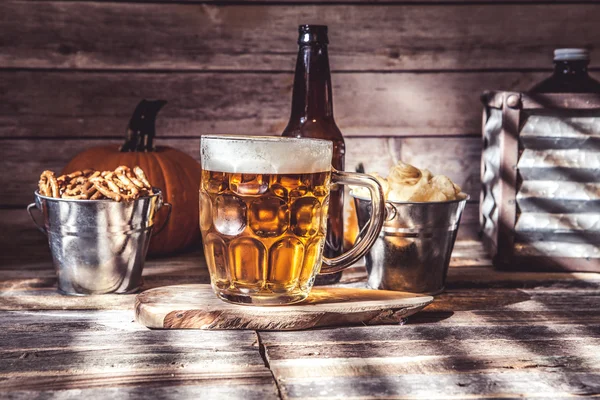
(215, 182)
(285, 264)
(215, 251)
(248, 257)
(229, 214)
(306, 216)
(269, 216)
(248, 184)
(206, 216)
(314, 251)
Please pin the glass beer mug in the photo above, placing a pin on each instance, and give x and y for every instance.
(263, 216)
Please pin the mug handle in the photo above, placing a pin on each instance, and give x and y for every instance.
(361, 247)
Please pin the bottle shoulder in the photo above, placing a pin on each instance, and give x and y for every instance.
(567, 84)
(315, 130)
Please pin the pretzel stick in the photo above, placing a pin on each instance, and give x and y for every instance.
(73, 191)
(51, 187)
(43, 186)
(126, 183)
(74, 174)
(126, 172)
(135, 181)
(106, 191)
(139, 173)
(118, 182)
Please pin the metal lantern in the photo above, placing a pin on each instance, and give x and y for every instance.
(540, 200)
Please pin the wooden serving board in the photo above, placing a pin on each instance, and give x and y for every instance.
(195, 306)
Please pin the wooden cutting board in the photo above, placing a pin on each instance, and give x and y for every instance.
(195, 306)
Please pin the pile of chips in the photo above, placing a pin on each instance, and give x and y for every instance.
(406, 183)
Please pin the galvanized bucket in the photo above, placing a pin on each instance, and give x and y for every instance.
(414, 247)
(98, 246)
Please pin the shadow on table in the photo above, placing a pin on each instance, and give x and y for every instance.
(448, 303)
(183, 268)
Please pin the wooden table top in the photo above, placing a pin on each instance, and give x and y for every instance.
(492, 334)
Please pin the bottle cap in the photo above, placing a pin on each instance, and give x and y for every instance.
(312, 34)
(571, 55)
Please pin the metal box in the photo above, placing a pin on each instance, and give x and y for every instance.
(540, 199)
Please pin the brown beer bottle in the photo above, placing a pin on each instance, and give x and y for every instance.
(312, 117)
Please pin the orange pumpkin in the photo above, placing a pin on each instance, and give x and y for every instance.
(174, 172)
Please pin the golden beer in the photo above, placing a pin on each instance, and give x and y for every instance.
(263, 232)
(263, 215)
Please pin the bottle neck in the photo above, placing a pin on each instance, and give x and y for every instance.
(571, 68)
(311, 99)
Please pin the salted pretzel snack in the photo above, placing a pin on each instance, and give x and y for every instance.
(122, 184)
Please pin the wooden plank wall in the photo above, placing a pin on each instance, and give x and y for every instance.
(407, 75)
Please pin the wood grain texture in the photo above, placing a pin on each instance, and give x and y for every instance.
(99, 104)
(197, 307)
(469, 343)
(56, 34)
(108, 355)
(502, 385)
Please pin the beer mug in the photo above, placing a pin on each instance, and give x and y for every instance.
(263, 216)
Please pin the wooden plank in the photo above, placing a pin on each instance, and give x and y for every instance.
(406, 360)
(529, 384)
(99, 104)
(478, 277)
(316, 369)
(31, 157)
(507, 300)
(106, 352)
(429, 335)
(139, 385)
(474, 318)
(55, 34)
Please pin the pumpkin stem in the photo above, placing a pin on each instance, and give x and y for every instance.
(142, 128)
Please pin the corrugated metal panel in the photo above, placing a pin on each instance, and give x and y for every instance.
(560, 132)
(559, 195)
(557, 249)
(490, 174)
(572, 228)
(580, 165)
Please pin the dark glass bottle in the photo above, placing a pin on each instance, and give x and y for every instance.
(570, 74)
(312, 117)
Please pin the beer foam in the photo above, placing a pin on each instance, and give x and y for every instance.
(264, 154)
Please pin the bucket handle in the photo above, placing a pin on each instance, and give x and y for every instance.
(40, 227)
(164, 225)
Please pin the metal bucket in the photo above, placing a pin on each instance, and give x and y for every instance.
(414, 247)
(98, 246)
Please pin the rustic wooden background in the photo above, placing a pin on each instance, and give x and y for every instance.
(407, 75)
